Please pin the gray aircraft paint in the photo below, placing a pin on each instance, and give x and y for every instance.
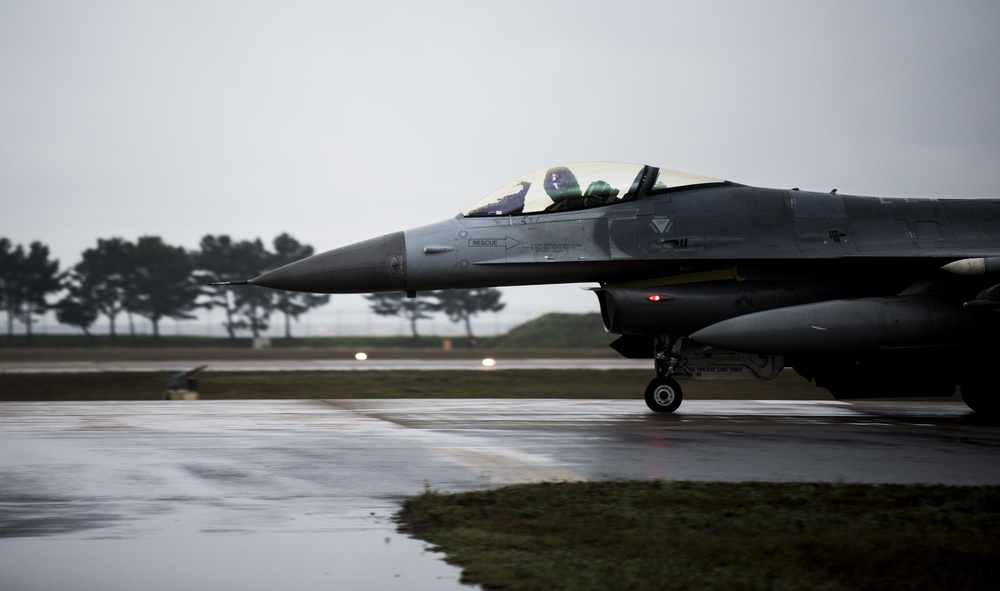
(709, 277)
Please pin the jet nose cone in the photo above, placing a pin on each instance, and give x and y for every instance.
(372, 265)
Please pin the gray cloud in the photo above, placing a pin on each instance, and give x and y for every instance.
(335, 122)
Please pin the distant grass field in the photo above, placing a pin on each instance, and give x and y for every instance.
(508, 383)
(552, 336)
(576, 332)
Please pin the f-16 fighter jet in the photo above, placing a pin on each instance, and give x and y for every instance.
(711, 279)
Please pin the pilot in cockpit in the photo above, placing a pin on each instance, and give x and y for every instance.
(562, 187)
(599, 193)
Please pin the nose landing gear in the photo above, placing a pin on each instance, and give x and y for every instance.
(664, 394)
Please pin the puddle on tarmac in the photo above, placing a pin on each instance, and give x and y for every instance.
(377, 559)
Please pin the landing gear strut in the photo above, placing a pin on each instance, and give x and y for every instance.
(663, 394)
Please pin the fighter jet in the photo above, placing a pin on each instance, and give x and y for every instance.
(715, 280)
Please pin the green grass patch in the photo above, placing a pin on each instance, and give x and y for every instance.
(555, 330)
(714, 535)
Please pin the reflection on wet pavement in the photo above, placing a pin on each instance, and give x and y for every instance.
(207, 496)
(301, 494)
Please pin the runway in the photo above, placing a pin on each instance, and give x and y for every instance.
(300, 494)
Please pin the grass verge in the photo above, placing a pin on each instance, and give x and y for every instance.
(714, 535)
(512, 383)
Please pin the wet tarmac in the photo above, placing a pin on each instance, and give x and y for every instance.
(300, 494)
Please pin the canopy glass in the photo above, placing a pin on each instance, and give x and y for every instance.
(576, 186)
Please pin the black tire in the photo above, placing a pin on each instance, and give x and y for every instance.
(664, 395)
(981, 398)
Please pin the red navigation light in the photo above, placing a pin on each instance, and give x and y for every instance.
(654, 298)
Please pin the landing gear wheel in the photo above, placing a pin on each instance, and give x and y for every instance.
(979, 397)
(663, 395)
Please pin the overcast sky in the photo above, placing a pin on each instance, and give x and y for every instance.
(338, 121)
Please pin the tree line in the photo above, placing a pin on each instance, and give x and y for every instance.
(460, 305)
(154, 280)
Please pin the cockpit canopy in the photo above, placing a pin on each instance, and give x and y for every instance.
(578, 186)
